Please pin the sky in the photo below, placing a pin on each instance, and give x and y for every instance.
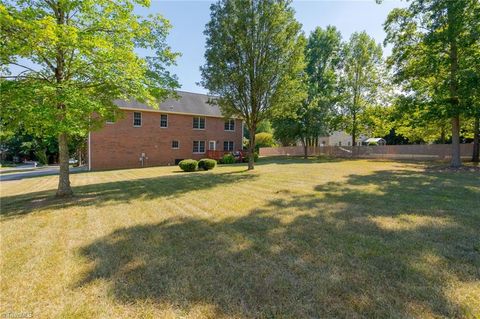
(188, 19)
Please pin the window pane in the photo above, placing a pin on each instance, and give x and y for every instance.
(195, 122)
(202, 146)
(137, 119)
(230, 125)
(163, 120)
(228, 146)
(202, 122)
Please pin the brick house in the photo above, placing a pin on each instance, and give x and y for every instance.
(188, 127)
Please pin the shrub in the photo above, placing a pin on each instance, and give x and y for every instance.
(188, 165)
(264, 140)
(228, 159)
(255, 157)
(206, 163)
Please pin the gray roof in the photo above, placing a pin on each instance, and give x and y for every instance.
(187, 103)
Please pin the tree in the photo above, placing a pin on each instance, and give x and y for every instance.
(73, 58)
(314, 115)
(361, 79)
(432, 42)
(264, 139)
(254, 56)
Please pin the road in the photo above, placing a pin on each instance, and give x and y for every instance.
(29, 171)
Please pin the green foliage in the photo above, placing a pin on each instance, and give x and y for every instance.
(255, 157)
(41, 156)
(362, 81)
(81, 57)
(227, 159)
(435, 59)
(264, 140)
(188, 165)
(254, 54)
(314, 115)
(264, 127)
(207, 164)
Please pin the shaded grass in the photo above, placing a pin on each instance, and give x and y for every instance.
(293, 239)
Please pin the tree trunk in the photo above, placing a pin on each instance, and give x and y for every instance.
(64, 189)
(305, 148)
(456, 160)
(354, 129)
(442, 135)
(251, 149)
(453, 54)
(476, 138)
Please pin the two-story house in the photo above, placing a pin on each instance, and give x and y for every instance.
(182, 128)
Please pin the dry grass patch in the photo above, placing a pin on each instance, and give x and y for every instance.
(293, 239)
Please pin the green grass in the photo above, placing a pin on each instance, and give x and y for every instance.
(292, 239)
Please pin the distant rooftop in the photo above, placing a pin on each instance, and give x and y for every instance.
(187, 103)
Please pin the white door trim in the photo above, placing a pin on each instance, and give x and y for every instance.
(214, 145)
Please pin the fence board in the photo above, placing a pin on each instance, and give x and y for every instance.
(414, 152)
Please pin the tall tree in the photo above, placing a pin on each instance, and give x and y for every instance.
(361, 79)
(432, 40)
(72, 59)
(254, 56)
(313, 116)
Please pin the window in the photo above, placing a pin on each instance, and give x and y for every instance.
(175, 144)
(348, 143)
(199, 146)
(228, 146)
(230, 125)
(163, 120)
(199, 123)
(137, 119)
(339, 143)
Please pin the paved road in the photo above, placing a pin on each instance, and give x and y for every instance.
(34, 172)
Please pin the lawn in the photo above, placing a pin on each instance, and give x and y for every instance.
(292, 239)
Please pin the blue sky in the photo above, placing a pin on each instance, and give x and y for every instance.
(188, 19)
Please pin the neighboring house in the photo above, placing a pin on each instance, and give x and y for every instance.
(179, 129)
(374, 141)
(339, 138)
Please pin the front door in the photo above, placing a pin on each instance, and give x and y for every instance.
(212, 145)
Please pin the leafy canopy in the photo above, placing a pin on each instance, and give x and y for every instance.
(362, 79)
(254, 56)
(314, 115)
(64, 61)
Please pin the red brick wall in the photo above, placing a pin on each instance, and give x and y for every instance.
(120, 145)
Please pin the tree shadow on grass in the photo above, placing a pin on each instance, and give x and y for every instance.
(118, 192)
(382, 245)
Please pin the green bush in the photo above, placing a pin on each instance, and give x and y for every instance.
(264, 140)
(228, 159)
(255, 157)
(188, 165)
(206, 163)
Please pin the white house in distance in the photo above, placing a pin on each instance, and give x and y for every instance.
(339, 138)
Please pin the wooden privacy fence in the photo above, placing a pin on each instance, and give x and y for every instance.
(415, 152)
